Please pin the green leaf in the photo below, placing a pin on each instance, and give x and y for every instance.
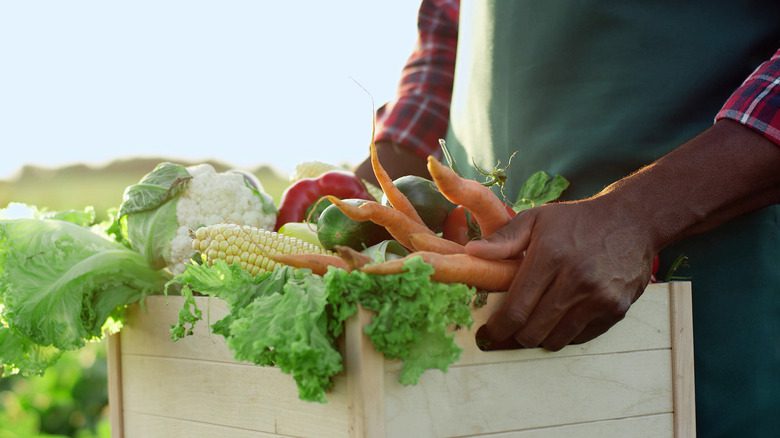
(151, 232)
(20, 354)
(413, 315)
(163, 183)
(540, 189)
(83, 218)
(385, 250)
(60, 283)
(278, 318)
(290, 318)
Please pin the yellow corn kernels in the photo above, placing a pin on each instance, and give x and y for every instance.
(248, 246)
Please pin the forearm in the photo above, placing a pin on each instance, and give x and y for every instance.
(725, 172)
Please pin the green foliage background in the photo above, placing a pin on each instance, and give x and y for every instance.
(71, 398)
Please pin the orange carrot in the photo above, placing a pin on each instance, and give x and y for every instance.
(318, 263)
(434, 243)
(354, 259)
(399, 225)
(397, 199)
(489, 211)
(490, 275)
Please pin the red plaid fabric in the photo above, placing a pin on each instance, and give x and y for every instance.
(419, 116)
(756, 103)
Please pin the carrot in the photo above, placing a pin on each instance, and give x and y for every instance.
(489, 211)
(354, 259)
(490, 275)
(318, 263)
(397, 199)
(399, 225)
(434, 243)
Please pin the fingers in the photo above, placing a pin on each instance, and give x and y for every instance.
(508, 242)
(578, 321)
(553, 307)
(527, 288)
(576, 327)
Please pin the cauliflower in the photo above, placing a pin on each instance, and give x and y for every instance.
(163, 210)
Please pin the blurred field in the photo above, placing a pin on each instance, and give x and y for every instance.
(78, 186)
(70, 400)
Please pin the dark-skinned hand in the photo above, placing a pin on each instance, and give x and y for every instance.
(585, 262)
(584, 265)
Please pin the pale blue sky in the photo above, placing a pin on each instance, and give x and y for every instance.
(244, 82)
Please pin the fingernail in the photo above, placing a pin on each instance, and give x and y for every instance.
(483, 341)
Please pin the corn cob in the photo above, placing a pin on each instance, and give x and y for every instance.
(248, 246)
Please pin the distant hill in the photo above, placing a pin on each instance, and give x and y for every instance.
(79, 185)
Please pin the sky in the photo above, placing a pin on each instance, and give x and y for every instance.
(243, 82)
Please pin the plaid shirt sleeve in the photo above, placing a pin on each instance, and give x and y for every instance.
(756, 103)
(419, 116)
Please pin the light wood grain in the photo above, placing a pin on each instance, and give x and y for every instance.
(248, 397)
(115, 406)
(645, 327)
(651, 426)
(365, 380)
(155, 426)
(681, 310)
(617, 385)
(523, 395)
(147, 330)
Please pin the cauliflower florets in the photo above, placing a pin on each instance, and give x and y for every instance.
(215, 198)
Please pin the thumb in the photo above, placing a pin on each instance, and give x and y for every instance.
(509, 241)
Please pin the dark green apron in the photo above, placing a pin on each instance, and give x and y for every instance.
(593, 90)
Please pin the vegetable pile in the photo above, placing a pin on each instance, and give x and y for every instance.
(291, 276)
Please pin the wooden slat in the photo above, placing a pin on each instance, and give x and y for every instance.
(624, 373)
(365, 380)
(651, 426)
(154, 426)
(115, 405)
(147, 330)
(681, 310)
(523, 395)
(247, 397)
(646, 326)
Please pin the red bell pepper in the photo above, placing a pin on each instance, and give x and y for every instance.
(305, 192)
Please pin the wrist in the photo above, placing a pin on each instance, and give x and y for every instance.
(726, 171)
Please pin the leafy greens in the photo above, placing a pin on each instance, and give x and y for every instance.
(291, 319)
(60, 283)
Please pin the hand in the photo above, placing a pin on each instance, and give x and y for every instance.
(584, 264)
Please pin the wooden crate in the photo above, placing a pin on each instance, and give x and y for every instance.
(634, 381)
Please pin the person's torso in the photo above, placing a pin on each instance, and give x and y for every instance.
(593, 90)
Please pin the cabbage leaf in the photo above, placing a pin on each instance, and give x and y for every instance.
(59, 284)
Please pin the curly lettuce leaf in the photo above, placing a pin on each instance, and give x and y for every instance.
(291, 318)
(60, 283)
(414, 316)
(275, 319)
(289, 330)
(20, 354)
